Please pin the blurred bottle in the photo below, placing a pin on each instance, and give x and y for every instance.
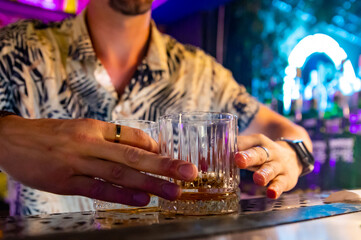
(334, 120)
(312, 122)
(311, 117)
(355, 179)
(355, 129)
(295, 114)
(342, 147)
(341, 144)
(314, 103)
(354, 120)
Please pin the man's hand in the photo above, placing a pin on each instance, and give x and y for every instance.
(66, 157)
(280, 170)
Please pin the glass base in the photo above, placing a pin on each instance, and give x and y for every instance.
(202, 204)
(102, 205)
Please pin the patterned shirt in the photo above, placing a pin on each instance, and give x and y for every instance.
(51, 71)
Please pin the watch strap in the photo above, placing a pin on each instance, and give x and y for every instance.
(305, 157)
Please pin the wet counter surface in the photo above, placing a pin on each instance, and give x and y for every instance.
(293, 216)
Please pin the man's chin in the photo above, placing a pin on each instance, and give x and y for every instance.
(131, 7)
(132, 13)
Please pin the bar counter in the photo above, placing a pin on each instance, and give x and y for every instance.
(293, 216)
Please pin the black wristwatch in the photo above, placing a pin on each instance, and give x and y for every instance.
(306, 158)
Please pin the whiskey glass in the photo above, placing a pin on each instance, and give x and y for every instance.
(208, 140)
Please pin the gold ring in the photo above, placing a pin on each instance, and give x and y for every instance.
(266, 150)
(118, 130)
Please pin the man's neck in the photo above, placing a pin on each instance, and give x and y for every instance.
(119, 41)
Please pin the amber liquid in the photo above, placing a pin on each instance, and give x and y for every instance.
(208, 194)
(207, 187)
(196, 196)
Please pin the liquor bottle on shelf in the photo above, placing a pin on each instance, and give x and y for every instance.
(331, 124)
(355, 113)
(355, 178)
(314, 105)
(355, 129)
(311, 117)
(311, 121)
(295, 114)
(341, 144)
(334, 120)
(298, 104)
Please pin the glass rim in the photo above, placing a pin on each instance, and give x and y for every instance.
(132, 120)
(151, 124)
(174, 116)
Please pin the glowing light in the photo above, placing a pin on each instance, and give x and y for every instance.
(318, 43)
(47, 4)
(313, 82)
(291, 72)
(317, 167)
(81, 4)
(70, 6)
(332, 162)
(355, 128)
(353, 118)
(158, 3)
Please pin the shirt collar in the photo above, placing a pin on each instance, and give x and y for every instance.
(156, 56)
(81, 48)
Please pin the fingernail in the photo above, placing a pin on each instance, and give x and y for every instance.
(171, 191)
(141, 198)
(259, 178)
(271, 193)
(241, 159)
(187, 171)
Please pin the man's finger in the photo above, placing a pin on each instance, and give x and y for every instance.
(129, 136)
(249, 141)
(143, 160)
(267, 173)
(127, 177)
(277, 187)
(252, 157)
(97, 189)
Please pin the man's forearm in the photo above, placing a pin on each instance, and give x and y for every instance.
(275, 126)
(293, 131)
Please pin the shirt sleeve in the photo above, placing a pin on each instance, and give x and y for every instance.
(234, 98)
(7, 66)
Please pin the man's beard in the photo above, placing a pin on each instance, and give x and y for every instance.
(131, 7)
